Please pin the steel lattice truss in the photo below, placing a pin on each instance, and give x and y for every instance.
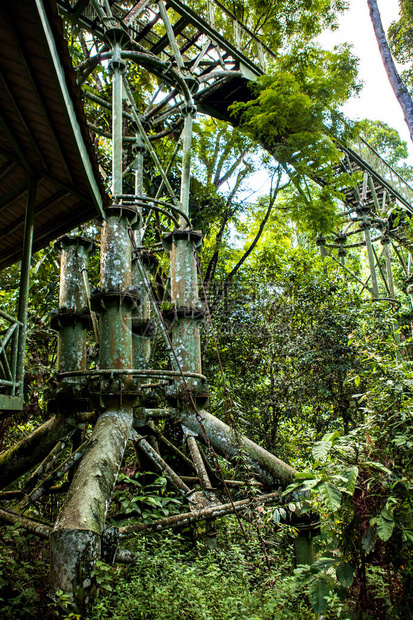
(217, 56)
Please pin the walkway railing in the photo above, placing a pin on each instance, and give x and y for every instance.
(366, 152)
(9, 338)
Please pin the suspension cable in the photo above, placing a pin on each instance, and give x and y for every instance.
(229, 401)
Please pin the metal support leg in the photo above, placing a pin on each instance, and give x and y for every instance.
(198, 461)
(375, 288)
(75, 542)
(25, 283)
(389, 271)
(390, 284)
(189, 113)
(303, 547)
(72, 321)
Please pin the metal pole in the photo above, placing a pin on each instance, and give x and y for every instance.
(25, 282)
(369, 245)
(73, 317)
(198, 462)
(117, 69)
(387, 259)
(390, 284)
(188, 112)
(171, 36)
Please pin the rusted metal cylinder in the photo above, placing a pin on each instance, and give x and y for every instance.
(187, 341)
(184, 295)
(115, 257)
(116, 299)
(142, 328)
(71, 352)
(72, 318)
(116, 335)
(184, 278)
(73, 260)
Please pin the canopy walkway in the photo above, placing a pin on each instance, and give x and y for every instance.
(49, 184)
(219, 56)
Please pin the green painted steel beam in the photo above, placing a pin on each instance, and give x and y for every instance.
(164, 42)
(83, 154)
(23, 303)
(377, 176)
(216, 37)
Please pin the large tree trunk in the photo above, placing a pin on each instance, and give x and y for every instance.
(75, 542)
(31, 449)
(399, 89)
(269, 469)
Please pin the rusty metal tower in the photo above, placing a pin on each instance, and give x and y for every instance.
(193, 64)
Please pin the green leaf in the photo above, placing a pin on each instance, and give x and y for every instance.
(292, 487)
(332, 437)
(311, 484)
(321, 449)
(351, 475)
(407, 536)
(368, 541)
(276, 516)
(345, 574)
(384, 527)
(331, 496)
(378, 466)
(318, 590)
(323, 564)
(304, 475)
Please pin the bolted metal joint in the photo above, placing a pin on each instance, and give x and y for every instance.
(148, 260)
(118, 65)
(138, 148)
(178, 394)
(188, 109)
(191, 236)
(65, 317)
(144, 328)
(117, 37)
(127, 212)
(102, 301)
(365, 224)
(196, 313)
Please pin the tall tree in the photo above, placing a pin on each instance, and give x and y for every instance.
(399, 88)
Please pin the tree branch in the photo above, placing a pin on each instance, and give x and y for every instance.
(396, 82)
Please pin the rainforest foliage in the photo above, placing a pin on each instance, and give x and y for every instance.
(312, 369)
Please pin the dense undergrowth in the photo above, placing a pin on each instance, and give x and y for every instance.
(316, 376)
(173, 579)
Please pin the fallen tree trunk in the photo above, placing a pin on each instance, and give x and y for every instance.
(268, 468)
(39, 529)
(187, 518)
(32, 449)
